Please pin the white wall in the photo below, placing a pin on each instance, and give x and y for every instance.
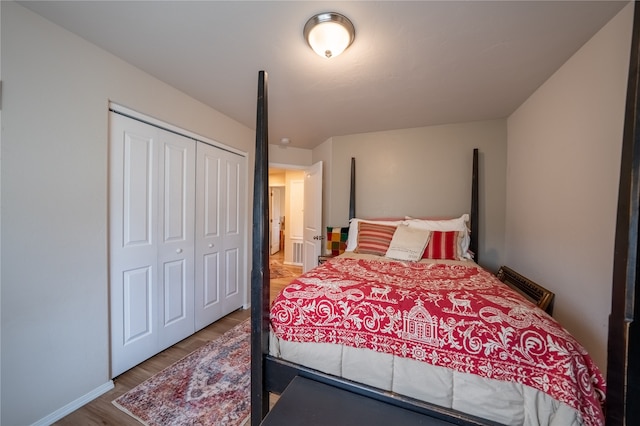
(424, 172)
(56, 89)
(562, 182)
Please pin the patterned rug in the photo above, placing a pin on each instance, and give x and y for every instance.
(278, 270)
(210, 386)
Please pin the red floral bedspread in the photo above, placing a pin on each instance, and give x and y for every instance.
(454, 316)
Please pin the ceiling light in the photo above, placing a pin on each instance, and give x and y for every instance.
(329, 33)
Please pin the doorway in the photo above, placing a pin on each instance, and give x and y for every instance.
(286, 199)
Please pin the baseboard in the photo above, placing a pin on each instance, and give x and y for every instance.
(74, 405)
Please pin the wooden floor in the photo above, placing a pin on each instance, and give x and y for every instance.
(101, 411)
(276, 284)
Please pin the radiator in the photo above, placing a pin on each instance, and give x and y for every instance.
(297, 257)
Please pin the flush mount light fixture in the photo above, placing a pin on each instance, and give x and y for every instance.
(329, 33)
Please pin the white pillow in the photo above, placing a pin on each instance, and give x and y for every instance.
(408, 243)
(457, 224)
(444, 225)
(352, 240)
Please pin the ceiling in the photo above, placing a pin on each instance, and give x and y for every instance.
(412, 64)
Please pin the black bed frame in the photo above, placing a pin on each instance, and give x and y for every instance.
(623, 354)
(269, 374)
(623, 365)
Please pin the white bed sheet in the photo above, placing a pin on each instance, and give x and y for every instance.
(503, 402)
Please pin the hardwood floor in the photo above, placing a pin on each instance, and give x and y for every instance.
(101, 411)
(276, 284)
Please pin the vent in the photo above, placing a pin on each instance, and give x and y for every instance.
(297, 252)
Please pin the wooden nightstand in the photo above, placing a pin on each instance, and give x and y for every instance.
(531, 290)
(324, 257)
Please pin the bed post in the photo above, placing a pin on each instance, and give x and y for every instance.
(260, 260)
(352, 190)
(623, 350)
(475, 223)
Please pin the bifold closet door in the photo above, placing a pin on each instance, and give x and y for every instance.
(220, 224)
(151, 197)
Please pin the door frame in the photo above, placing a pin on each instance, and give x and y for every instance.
(296, 167)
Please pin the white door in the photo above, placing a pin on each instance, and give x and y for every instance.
(133, 254)
(176, 204)
(220, 210)
(235, 278)
(151, 240)
(312, 217)
(274, 218)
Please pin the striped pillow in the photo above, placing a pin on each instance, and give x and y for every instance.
(374, 238)
(442, 245)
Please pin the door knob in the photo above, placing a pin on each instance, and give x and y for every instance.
(210, 245)
(179, 251)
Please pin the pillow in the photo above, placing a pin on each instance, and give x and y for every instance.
(352, 241)
(408, 243)
(444, 225)
(374, 238)
(337, 239)
(457, 224)
(443, 245)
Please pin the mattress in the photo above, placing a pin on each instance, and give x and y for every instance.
(447, 333)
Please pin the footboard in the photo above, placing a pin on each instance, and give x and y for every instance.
(279, 373)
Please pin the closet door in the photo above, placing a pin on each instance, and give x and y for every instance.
(234, 184)
(176, 204)
(152, 185)
(220, 212)
(133, 251)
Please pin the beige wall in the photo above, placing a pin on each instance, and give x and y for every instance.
(424, 172)
(563, 159)
(276, 179)
(54, 283)
(562, 182)
(287, 155)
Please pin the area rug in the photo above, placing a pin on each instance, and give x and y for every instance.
(210, 386)
(278, 270)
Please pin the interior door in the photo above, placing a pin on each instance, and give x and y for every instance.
(151, 197)
(133, 196)
(235, 191)
(175, 242)
(312, 217)
(220, 211)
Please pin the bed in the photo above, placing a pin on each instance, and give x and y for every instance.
(406, 316)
